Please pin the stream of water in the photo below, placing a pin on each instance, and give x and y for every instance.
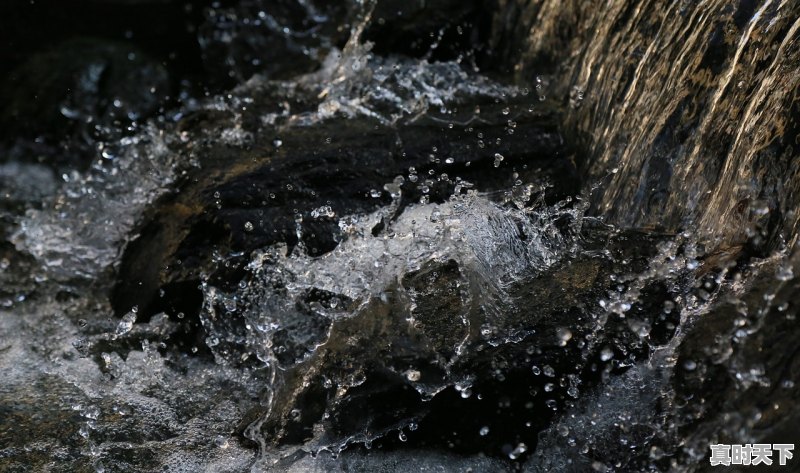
(369, 266)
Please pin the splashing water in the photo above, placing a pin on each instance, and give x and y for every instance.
(514, 332)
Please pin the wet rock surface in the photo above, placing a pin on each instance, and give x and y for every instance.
(393, 236)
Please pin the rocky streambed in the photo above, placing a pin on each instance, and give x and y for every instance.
(392, 236)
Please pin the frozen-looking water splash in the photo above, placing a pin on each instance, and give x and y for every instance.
(494, 246)
(294, 309)
(82, 231)
(425, 321)
(475, 232)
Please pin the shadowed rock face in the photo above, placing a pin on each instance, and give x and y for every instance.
(498, 236)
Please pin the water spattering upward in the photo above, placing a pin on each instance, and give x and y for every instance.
(297, 295)
(81, 232)
(500, 245)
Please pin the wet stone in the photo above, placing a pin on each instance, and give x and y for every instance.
(394, 236)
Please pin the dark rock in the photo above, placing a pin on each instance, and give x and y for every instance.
(84, 89)
(318, 288)
(739, 364)
(375, 370)
(395, 462)
(279, 39)
(328, 164)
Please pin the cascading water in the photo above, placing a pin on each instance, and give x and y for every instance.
(695, 105)
(545, 236)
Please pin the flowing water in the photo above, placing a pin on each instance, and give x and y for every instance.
(384, 263)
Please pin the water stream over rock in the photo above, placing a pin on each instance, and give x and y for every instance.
(392, 236)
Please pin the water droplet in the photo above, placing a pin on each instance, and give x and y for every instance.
(324, 211)
(639, 327)
(221, 441)
(498, 158)
(606, 354)
(564, 335)
(413, 375)
(669, 306)
(126, 324)
(785, 273)
(518, 451)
